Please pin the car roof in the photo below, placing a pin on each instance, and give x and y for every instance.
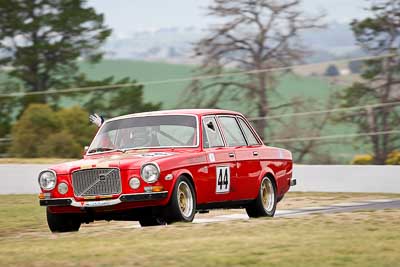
(195, 112)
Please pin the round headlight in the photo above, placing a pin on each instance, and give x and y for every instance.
(62, 188)
(150, 172)
(134, 183)
(47, 180)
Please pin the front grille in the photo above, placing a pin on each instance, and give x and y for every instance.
(96, 182)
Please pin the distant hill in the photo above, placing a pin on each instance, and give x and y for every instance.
(175, 44)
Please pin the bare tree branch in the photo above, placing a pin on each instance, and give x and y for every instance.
(255, 34)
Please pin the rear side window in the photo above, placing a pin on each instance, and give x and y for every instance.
(251, 139)
(211, 135)
(232, 132)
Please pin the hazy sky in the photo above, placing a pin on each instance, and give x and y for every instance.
(127, 16)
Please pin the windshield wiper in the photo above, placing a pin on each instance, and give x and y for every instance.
(104, 149)
(100, 149)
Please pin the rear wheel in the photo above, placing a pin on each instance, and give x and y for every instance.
(265, 203)
(182, 206)
(59, 223)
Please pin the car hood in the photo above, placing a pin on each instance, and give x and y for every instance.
(128, 160)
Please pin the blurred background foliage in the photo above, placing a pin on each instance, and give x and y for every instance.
(62, 49)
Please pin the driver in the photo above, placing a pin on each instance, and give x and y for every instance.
(138, 137)
(141, 137)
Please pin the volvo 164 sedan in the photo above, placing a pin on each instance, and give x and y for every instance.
(163, 167)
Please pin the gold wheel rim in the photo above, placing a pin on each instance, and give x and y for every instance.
(267, 194)
(185, 199)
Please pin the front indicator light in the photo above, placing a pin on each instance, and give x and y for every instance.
(157, 188)
(44, 196)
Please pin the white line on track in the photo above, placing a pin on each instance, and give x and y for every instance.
(340, 207)
(377, 204)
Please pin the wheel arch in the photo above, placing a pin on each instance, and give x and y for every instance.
(186, 173)
(267, 172)
(273, 179)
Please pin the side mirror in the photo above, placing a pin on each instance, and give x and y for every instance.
(85, 149)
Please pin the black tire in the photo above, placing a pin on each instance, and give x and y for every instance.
(152, 221)
(280, 198)
(257, 207)
(173, 212)
(61, 223)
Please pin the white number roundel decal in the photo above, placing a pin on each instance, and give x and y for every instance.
(223, 179)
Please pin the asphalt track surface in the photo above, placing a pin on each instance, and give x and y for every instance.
(370, 205)
(379, 204)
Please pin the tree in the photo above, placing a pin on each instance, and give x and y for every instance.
(253, 35)
(355, 66)
(378, 34)
(114, 101)
(303, 129)
(42, 39)
(7, 108)
(331, 71)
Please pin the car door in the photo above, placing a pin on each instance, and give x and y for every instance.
(248, 166)
(249, 158)
(221, 163)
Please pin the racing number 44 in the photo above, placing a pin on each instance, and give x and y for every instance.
(223, 179)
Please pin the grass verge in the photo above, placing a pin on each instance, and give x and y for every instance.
(365, 238)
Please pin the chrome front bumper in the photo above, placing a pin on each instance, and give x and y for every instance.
(63, 202)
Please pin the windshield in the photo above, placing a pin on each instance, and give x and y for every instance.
(146, 132)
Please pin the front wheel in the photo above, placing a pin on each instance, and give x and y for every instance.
(60, 223)
(265, 203)
(182, 206)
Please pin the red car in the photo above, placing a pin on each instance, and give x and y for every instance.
(163, 167)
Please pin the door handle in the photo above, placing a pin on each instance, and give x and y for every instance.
(231, 155)
(255, 153)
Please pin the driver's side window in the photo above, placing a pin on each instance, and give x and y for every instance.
(211, 135)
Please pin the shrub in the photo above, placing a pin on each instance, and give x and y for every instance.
(62, 144)
(393, 158)
(43, 132)
(364, 159)
(31, 131)
(75, 121)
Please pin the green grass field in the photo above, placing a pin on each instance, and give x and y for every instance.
(365, 238)
(143, 71)
(290, 86)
